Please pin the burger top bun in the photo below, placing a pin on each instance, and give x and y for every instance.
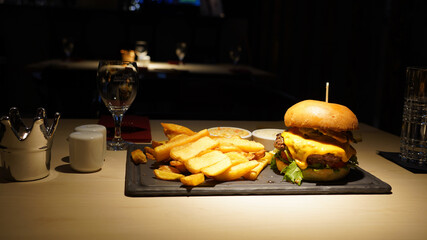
(321, 115)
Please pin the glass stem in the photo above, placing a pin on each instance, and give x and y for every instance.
(118, 118)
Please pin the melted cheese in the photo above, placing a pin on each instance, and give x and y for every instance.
(300, 148)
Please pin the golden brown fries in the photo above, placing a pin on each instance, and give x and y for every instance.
(243, 144)
(254, 172)
(148, 149)
(162, 152)
(150, 156)
(168, 168)
(171, 130)
(268, 156)
(165, 175)
(193, 179)
(138, 156)
(155, 143)
(237, 171)
(178, 165)
(217, 168)
(192, 157)
(236, 157)
(228, 148)
(193, 149)
(177, 137)
(195, 165)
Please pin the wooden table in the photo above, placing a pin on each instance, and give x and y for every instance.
(70, 205)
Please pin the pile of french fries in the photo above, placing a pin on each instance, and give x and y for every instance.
(191, 157)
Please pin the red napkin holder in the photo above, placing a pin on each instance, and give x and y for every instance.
(134, 128)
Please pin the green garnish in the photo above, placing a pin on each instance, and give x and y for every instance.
(292, 173)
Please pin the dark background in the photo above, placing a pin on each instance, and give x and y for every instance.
(360, 47)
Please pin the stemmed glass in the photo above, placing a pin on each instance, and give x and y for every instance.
(141, 49)
(181, 50)
(235, 54)
(68, 47)
(117, 83)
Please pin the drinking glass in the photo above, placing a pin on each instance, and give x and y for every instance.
(141, 50)
(413, 147)
(181, 50)
(235, 54)
(117, 83)
(67, 47)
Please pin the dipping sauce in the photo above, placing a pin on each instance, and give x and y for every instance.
(229, 132)
(267, 133)
(266, 137)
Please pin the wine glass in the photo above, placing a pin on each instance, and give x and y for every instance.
(117, 83)
(141, 49)
(235, 54)
(181, 50)
(67, 47)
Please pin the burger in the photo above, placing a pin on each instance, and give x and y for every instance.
(316, 145)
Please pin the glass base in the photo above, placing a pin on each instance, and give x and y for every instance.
(117, 146)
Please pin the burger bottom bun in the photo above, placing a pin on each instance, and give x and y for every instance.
(324, 175)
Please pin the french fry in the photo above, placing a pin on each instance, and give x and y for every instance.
(194, 165)
(223, 159)
(243, 144)
(193, 179)
(205, 151)
(236, 158)
(150, 156)
(138, 156)
(268, 156)
(164, 175)
(254, 172)
(177, 137)
(178, 165)
(155, 144)
(168, 168)
(148, 149)
(228, 148)
(162, 152)
(171, 130)
(192, 149)
(217, 168)
(178, 148)
(236, 172)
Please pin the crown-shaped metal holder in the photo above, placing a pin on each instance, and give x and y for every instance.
(25, 152)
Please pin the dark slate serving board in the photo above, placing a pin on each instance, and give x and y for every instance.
(141, 182)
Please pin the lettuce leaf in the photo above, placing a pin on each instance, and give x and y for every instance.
(273, 160)
(292, 173)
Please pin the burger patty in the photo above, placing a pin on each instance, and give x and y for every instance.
(279, 143)
(327, 159)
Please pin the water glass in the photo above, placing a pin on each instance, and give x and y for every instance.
(181, 51)
(235, 54)
(140, 50)
(413, 147)
(117, 83)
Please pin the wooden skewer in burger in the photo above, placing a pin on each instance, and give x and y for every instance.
(316, 145)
